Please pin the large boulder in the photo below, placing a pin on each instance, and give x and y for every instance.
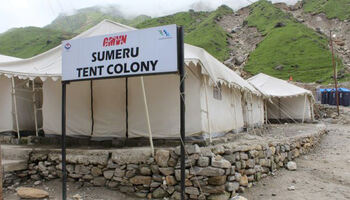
(31, 193)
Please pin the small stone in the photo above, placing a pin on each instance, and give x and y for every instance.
(220, 162)
(167, 171)
(77, 197)
(217, 180)
(108, 174)
(244, 181)
(162, 157)
(208, 171)
(37, 182)
(141, 180)
(170, 180)
(291, 188)
(99, 181)
(274, 194)
(192, 190)
(224, 196)
(31, 193)
(292, 166)
(95, 171)
(232, 186)
(159, 193)
(203, 161)
(239, 198)
(145, 171)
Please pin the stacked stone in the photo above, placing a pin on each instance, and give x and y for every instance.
(214, 172)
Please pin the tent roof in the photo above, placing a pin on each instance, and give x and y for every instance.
(4, 58)
(48, 64)
(274, 87)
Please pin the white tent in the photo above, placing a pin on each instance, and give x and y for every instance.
(285, 100)
(15, 97)
(112, 107)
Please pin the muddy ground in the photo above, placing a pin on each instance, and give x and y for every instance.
(322, 174)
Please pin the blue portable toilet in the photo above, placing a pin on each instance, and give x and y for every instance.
(344, 95)
(329, 96)
(324, 96)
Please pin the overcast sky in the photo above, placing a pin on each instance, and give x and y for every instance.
(20, 13)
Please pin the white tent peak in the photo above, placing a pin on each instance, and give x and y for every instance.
(274, 87)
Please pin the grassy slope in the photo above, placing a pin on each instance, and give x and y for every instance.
(29, 41)
(200, 29)
(303, 53)
(332, 8)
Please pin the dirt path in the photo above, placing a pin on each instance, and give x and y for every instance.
(323, 174)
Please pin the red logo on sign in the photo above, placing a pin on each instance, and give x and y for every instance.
(114, 41)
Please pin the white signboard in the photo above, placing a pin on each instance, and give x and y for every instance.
(139, 52)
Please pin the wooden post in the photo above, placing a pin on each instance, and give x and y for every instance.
(334, 72)
(15, 105)
(35, 110)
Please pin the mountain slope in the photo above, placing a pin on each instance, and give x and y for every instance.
(200, 28)
(86, 18)
(29, 41)
(290, 49)
(332, 8)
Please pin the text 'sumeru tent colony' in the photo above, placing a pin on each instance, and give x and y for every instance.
(285, 100)
(215, 97)
(16, 96)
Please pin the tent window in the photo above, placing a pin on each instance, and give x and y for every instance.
(217, 92)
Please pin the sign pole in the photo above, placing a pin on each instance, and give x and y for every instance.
(334, 72)
(180, 53)
(63, 143)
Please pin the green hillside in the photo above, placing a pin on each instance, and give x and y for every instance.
(200, 29)
(300, 51)
(332, 8)
(86, 18)
(29, 41)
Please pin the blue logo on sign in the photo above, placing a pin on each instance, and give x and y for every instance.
(164, 34)
(67, 46)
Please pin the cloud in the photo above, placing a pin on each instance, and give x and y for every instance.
(19, 13)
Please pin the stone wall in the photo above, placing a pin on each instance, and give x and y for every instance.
(214, 172)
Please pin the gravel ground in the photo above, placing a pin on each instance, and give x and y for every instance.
(322, 175)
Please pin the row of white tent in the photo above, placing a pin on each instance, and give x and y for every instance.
(217, 99)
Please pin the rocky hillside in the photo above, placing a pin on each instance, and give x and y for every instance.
(266, 38)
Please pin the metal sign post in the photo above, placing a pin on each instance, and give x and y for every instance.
(63, 142)
(180, 54)
(162, 52)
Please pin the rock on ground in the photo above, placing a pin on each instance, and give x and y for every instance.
(292, 166)
(31, 193)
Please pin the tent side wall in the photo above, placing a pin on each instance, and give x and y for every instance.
(6, 117)
(257, 111)
(109, 106)
(25, 106)
(163, 99)
(291, 107)
(78, 108)
(225, 114)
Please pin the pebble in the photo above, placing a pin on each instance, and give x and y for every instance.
(291, 188)
(37, 182)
